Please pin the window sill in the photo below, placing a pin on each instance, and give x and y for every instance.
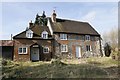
(45, 52)
(22, 53)
(63, 39)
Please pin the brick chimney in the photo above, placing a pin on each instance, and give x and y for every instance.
(53, 17)
(30, 24)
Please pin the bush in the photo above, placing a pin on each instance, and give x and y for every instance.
(115, 55)
(107, 50)
(4, 62)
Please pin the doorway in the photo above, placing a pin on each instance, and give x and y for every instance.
(78, 52)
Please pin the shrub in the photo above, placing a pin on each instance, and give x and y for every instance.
(107, 50)
(115, 55)
(4, 62)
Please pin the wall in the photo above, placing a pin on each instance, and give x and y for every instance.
(27, 42)
(77, 40)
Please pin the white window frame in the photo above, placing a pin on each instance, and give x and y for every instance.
(44, 35)
(44, 51)
(22, 52)
(29, 34)
(87, 37)
(64, 46)
(89, 48)
(63, 36)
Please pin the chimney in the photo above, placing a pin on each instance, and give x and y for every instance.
(53, 16)
(30, 24)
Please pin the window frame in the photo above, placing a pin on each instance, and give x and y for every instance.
(87, 37)
(29, 34)
(88, 48)
(63, 36)
(64, 46)
(22, 50)
(44, 35)
(44, 51)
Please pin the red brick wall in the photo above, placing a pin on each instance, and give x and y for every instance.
(25, 42)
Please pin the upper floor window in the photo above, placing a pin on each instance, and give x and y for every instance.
(46, 50)
(29, 34)
(22, 50)
(87, 37)
(44, 35)
(88, 48)
(64, 48)
(63, 36)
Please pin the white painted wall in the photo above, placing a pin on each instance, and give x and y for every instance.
(49, 26)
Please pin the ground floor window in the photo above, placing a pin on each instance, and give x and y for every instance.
(46, 50)
(88, 48)
(64, 48)
(22, 50)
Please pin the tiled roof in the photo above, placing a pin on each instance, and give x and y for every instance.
(6, 43)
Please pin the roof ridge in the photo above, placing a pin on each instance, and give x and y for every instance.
(70, 20)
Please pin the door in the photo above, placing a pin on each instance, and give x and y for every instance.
(78, 51)
(35, 54)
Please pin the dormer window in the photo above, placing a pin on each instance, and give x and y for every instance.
(44, 35)
(29, 33)
(87, 37)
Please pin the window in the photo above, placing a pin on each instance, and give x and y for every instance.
(87, 37)
(44, 35)
(46, 50)
(64, 48)
(29, 34)
(88, 48)
(63, 36)
(22, 50)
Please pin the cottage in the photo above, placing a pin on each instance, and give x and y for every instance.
(49, 37)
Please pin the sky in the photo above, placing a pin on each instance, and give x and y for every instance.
(103, 16)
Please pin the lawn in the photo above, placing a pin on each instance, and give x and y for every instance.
(98, 67)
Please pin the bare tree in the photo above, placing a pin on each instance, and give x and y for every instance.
(112, 38)
(113, 35)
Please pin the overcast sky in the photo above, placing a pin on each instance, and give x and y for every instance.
(103, 16)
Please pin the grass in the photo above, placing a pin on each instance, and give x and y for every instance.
(76, 68)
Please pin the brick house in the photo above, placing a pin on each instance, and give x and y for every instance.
(49, 37)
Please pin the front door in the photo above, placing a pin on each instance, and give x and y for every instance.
(78, 51)
(35, 54)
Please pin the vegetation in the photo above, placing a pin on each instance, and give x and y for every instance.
(99, 67)
(111, 37)
(107, 50)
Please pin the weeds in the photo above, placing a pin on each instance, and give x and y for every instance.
(74, 68)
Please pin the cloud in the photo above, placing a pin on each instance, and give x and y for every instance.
(89, 16)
